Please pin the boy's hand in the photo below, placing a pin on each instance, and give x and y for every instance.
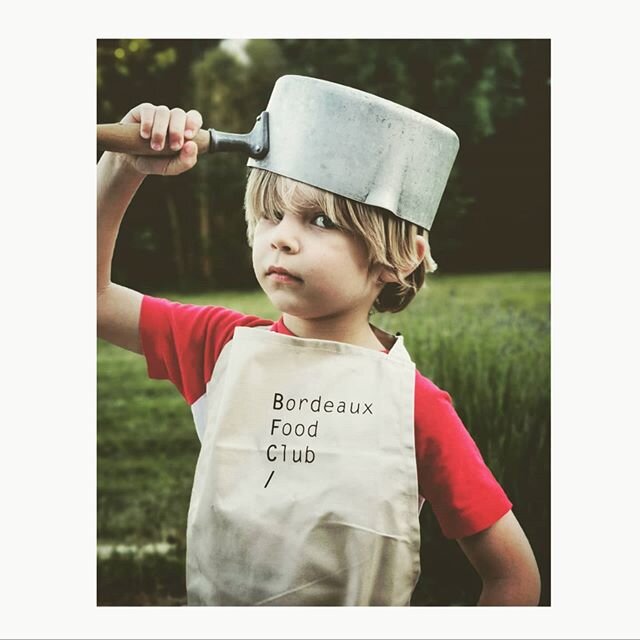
(163, 127)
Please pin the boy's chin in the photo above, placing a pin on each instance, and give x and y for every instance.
(279, 300)
(283, 303)
(290, 309)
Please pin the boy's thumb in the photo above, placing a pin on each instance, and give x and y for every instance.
(189, 152)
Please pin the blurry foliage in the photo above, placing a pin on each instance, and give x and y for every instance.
(188, 232)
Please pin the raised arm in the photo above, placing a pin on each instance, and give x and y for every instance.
(505, 562)
(119, 177)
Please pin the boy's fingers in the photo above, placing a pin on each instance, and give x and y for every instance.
(193, 123)
(146, 113)
(176, 128)
(163, 126)
(167, 127)
(159, 128)
(142, 113)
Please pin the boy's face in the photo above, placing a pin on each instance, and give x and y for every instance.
(310, 269)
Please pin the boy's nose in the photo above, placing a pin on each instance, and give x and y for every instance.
(284, 238)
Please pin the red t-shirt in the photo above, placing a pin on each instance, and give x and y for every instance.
(182, 342)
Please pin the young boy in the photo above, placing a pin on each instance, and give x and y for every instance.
(320, 441)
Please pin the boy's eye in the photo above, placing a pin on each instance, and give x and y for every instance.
(272, 216)
(323, 221)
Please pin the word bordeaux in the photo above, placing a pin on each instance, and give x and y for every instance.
(318, 406)
(283, 453)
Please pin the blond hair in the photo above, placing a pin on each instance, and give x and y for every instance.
(389, 240)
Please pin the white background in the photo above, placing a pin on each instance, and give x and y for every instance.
(47, 427)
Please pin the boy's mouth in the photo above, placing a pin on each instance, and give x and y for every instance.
(282, 275)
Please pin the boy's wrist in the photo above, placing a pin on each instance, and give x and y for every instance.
(123, 165)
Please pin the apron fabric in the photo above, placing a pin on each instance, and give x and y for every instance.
(305, 491)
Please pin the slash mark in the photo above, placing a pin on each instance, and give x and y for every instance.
(269, 478)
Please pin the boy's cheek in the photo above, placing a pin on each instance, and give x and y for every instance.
(257, 252)
(261, 227)
(261, 242)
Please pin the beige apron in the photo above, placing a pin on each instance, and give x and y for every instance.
(305, 490)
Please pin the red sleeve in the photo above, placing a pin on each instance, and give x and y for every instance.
(452, 476)
(182, 342)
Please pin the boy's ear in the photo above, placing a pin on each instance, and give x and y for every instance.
(421, 250)
(386, 275)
